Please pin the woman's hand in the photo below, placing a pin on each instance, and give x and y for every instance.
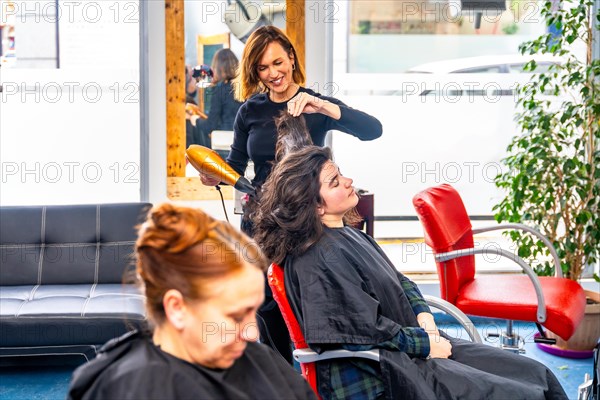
(193, 119)
(209, 181)
(427, 322)
(308, 104)
(439, 347)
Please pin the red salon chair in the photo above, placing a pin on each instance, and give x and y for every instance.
(307, 357)
(554, 302)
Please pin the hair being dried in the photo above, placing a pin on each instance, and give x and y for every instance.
(292, 134)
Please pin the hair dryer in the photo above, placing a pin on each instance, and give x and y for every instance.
(208, 162)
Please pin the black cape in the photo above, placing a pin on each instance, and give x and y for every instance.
(132, 367)
(344, 290)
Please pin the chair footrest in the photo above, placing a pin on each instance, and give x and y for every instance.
(544, 340)
(307, 355)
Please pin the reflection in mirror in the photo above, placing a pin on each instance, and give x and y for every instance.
(207, 46)
(210, 66)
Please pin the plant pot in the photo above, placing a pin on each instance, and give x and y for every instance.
(583, 341)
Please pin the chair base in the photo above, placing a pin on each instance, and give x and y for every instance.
(514, 343)
(509, 340)
(585, 390)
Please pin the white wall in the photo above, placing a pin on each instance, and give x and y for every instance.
(158, 101)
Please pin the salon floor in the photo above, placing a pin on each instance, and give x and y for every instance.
(52, 382)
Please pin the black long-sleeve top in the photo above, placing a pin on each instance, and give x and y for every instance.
(132, 367)
(223, 108)
(255, 135)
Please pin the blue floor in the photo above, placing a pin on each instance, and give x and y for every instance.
(40, 383)
(52, 382)
(570, 372)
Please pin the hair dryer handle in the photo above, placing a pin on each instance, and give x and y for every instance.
(209, 162)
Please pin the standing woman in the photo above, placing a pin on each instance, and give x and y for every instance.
(270, 81)
(223, 105)
(203, 282)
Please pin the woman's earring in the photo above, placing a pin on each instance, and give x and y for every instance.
(294, 67)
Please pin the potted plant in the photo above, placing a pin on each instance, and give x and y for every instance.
(552, 174)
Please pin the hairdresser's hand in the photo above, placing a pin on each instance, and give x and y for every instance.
(439, 347)
(192, 118)
(308, 104)
(208, 181)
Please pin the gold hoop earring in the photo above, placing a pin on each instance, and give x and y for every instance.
(293, 67)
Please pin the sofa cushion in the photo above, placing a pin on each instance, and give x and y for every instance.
(57, 315)
(61, 277)
(78, 244)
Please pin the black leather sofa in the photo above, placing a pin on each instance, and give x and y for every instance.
(62, 272)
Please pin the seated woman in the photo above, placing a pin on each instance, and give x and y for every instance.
(203, 282)
(347, 294)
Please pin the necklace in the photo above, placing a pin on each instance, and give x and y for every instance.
(285, 97)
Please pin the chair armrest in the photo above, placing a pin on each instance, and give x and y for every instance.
(458, 315)
(534, 232)
(541, 311)
(307, 355)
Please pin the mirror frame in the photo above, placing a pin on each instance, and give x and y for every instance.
(180, 187)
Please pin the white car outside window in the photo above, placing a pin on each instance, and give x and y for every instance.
(500, 64)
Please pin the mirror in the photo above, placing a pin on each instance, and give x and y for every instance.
(206, 47)
(180, 187)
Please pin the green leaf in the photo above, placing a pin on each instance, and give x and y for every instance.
(551, 179)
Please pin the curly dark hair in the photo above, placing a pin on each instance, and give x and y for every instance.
(292, 134)
(287, 221)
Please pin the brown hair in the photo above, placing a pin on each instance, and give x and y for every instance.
(185, 249)
(292, 134)
(287, 221)
(248, 82)
(224, 65)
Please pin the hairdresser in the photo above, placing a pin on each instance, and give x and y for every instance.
(270, 80)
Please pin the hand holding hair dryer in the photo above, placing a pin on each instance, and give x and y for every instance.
(209, 162)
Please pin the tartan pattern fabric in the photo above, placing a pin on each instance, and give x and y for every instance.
(415, 298)
(357, 379)
(360, 382)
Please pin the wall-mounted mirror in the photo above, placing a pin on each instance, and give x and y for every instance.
(190, 41)
(206, 48)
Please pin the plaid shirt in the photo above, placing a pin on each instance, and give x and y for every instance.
(360, 379)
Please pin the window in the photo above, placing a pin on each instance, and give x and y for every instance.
(70, 102)
(447, 121)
